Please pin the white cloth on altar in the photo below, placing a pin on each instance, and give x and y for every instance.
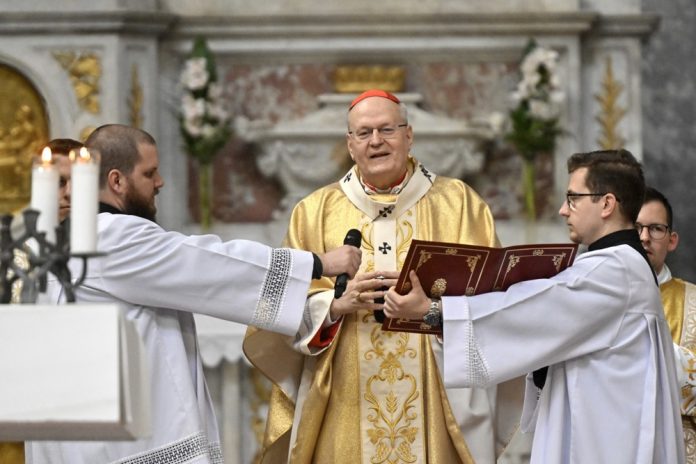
(160, 278)
(611, 393)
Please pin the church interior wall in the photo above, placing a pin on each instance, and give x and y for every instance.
(275, 62)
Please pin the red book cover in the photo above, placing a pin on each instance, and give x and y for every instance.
(454, 269)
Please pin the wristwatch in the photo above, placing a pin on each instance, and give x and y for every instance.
(434, 315)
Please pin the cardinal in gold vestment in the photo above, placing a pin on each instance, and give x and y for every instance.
(344, 391)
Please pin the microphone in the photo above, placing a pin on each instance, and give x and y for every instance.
(353, 238)
(378, 313)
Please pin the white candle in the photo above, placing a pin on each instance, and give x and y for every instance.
(44, 194)
(84, 201)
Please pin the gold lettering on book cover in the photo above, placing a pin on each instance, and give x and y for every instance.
(393, 417)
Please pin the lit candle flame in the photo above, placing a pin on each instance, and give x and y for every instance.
(85, 155)
(81, 157)
(46, 156)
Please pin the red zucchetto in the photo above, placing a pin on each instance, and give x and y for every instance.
(373, 93)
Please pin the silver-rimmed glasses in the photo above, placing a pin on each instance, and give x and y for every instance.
(385, 132)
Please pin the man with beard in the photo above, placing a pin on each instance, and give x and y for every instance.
(160, 278)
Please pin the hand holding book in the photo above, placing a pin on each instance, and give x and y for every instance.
(452, 269)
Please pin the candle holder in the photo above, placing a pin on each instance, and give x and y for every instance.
(42, 257)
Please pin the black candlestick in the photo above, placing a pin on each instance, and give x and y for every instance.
(42, 257)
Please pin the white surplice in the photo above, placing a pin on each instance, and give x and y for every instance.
(611, 394)
(160, 278)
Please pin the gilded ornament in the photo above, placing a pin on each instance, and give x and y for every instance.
(86, 132)
(135, 101)
(557, 260)
(393, 418)
(472, 261)
(423, 258)
(404, 235)
(356, 79)
(84, 71)
(451, 251)
(23, 131)
(512, 262)
(611, 113)
(438, 288)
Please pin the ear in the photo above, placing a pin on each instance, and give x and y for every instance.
(409, 136)
(350, 147)
(116, 181)
(673, 241)
(610, 205)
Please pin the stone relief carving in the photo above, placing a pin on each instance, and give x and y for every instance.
(23, 131)
(135, 100)
(611, 113)
(306, 154)
(84, 71)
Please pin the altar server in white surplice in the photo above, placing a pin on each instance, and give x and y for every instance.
(609, 394)
(160, 278)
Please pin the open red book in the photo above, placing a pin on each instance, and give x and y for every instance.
(454, 269)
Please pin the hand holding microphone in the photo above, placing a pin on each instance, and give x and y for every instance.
(342, 260)
(353, 238)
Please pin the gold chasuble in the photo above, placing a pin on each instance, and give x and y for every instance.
(370, 396)
(12, 453)
(679, 302)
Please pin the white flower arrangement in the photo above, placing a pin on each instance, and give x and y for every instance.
(538, 102)
(204, 120)
(534, 120)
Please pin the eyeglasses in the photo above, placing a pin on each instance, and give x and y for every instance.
(656, 231)
(570, 198)
(386, 132)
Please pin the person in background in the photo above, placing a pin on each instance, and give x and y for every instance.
(656, 230)
(13, 452)
(603, 384)
(61, 148)
(160, 279)
(344, 390)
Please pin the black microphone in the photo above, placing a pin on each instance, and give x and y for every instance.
(353, 238)
(379, 313)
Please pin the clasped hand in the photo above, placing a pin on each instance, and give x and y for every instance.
(362, 291)
(413, 305)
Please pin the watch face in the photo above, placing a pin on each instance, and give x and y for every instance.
(428, 319)
(432, 318)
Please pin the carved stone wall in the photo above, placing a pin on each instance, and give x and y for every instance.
(669, 112)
